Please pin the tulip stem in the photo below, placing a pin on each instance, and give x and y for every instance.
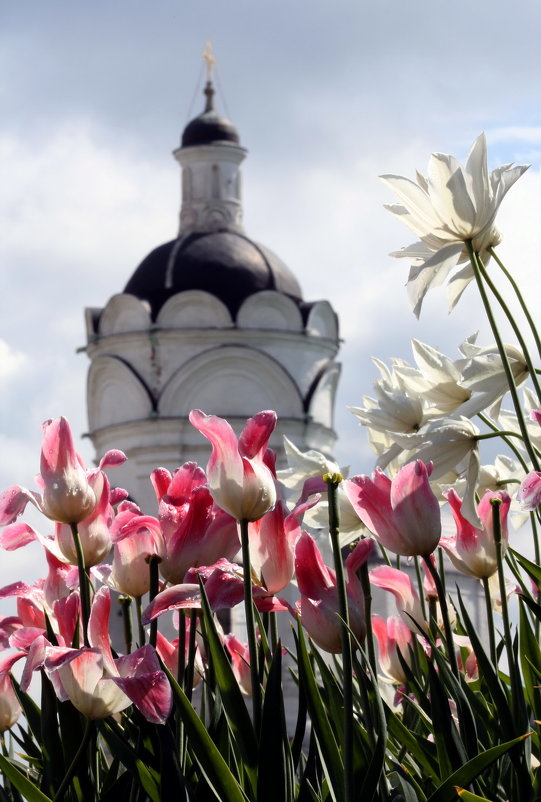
(514, 326)
(514, 674)
(444, 614)
(332, 481)
(71, 770)
(190, 670)
(154, 586)
(140, 627)
(250, 626)
(520, 298)
(503, 354)
(490, 622)
(125, 604)
(84, 589)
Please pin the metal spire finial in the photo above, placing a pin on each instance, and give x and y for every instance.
(208, 55)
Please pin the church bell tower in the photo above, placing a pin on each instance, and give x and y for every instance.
(211, 320)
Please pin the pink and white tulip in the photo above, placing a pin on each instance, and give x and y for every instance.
(407, 599)
(319, 605)
(68, 489)
(99, 685)
(394, 639)
(473, 550)
(238, 478)
(403, 513)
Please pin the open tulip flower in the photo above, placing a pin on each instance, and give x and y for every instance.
(238, 478)
(451, 205)
(394, 638)
(403, 513)
(319, 604)
(406, 597)
(68, 495)
(473, 549)
(192, 529)
(99, 685)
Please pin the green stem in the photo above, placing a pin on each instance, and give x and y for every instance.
(514, 326)
(520, 298)
(154, 586)
(490, 624)
(514, 673)
(191, 654)
(444, 614)
(84, 582)
(125, 603)
(71, 770)
(250, 626)
(420, 585)
(140, 627)
(505, 439)
(332, 481)
(367, 592)
(499, 342)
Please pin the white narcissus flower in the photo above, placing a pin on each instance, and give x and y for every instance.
(305, 465)
(484, 371)
(449, 443)
(451, 205)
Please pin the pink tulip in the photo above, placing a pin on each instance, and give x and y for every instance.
(404, 513)
(94, 530)
(473, 550)
(272, 543)
(224, 588)
(407, 599)
(319, 605)
(10, 709)
(238, 478)
(68, 494)
(193, 529)
(394, 639)
(529, 492)
(99, 685)
(240, 662)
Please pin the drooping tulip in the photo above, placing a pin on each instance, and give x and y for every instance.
(407, 599)
(403, 513)
(238, 478)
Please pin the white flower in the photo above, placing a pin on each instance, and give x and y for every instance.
(451, 205)
(449, 443)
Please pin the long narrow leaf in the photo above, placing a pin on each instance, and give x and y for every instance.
(330, 756)
(472, 769)
(22, 783)
(204, 751)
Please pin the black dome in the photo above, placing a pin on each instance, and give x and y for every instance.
(226, 264)
(208, 128)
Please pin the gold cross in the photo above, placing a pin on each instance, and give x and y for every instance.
(209, 58)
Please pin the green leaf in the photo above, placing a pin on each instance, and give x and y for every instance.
(531, 568)
(274, 754)
(330, 756)
(127, 755)
(470, 770)
(204, 751)
(27, 788)
(231, 695)
(413, 743)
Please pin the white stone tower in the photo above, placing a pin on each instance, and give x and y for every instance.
(212, 320)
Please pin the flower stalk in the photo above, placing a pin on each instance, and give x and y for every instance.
(333, 481)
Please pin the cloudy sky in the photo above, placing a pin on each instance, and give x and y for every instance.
(326, 97)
